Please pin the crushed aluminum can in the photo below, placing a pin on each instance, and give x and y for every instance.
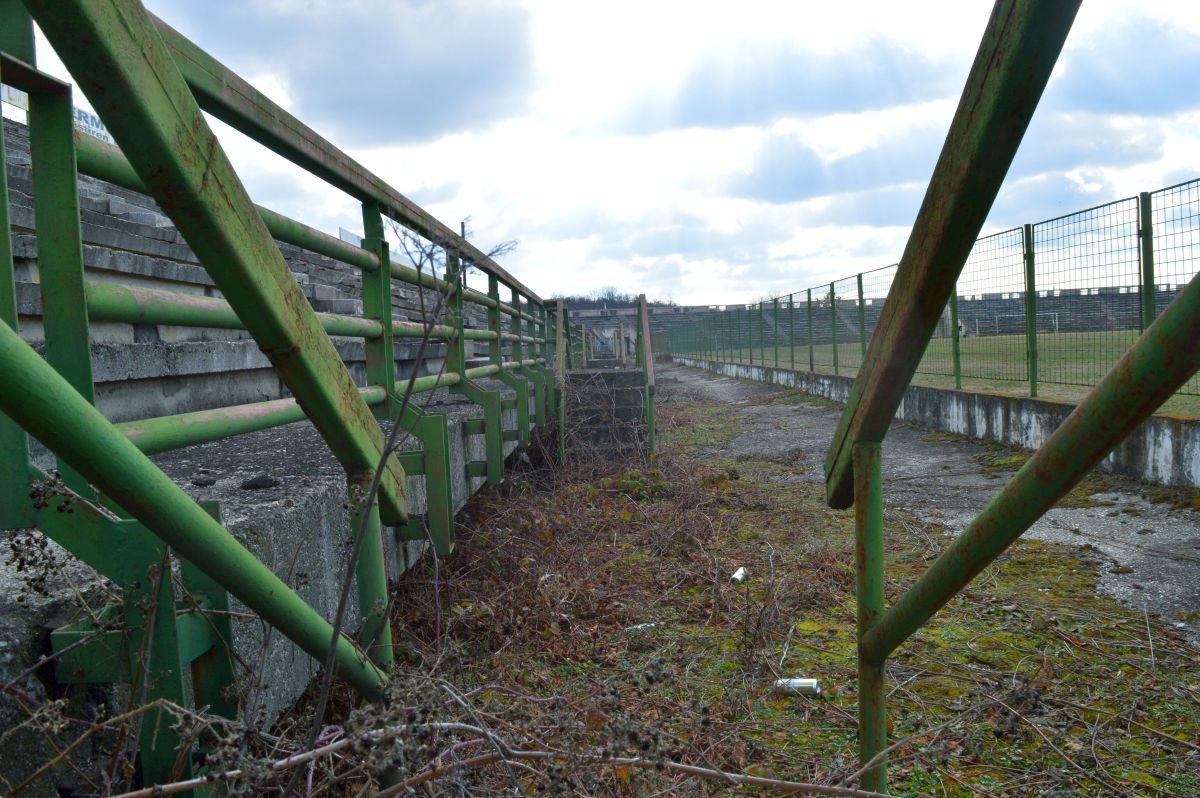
(637, 627)
(798, 686)
(739, 576)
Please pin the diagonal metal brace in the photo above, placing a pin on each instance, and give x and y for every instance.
(116, 53)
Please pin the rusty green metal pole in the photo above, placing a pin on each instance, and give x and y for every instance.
(16, 511)
(16, 32)
(377, 305)
(1014, 61)
(375, 633)
(775, 330)
(1146, 240)
(60, 245)
(812, 354)
(833, 324)
(955, 341)
(868, 555)
(762, 338)
(1031, 342)
(116, 54)
(1150, 372)
(862, 323)
(45, 405)
(792, 329)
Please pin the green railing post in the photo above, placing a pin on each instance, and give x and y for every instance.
(762, 338)
(1146, 239)
(775, 325)
(16, 32)
(833, 325)
(492, 466)
(377, 304)
(60, 246)
(647, 350)
(1031, 347)
(16, 511)
(862, 323)
(515, 380)
(375, 633)
(955, 340)
(868, 551)
(792, 329)
(812, 355)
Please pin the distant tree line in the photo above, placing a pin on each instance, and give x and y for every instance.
(607, 297)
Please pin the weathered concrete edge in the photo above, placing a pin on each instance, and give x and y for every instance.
(1164, 449)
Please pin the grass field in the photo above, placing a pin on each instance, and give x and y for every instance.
(1069, 364)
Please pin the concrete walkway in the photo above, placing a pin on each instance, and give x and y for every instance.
(1152, 551)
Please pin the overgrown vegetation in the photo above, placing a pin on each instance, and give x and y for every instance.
(585, 639)
(595, 618)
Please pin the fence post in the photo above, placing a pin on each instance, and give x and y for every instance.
(955, 340)
(60, 249)
(762, 338)
(812, 358)
(792, 328)
(775, 325)
(862, 324)
(1146, 234)
(1031, 312)
(833, 324)
(868, 554)
(377, 304)
(16, 511)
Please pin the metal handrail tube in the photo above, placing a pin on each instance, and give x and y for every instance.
(136, 305)
(164, 433)
(1162, 359)
(44, 404)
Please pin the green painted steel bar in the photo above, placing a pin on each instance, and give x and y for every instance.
(1031, 342)
(1164, 357)
(213, 677)
(833, 325)
(164, 433)
(1015, 58)
(60, 244)
(136, 305)
(227, 96)
(812, 354)
(775, 331)
(762, 336)
(648, 371)
(862, 321)
(375, 633)
(16, 31)
(46, 406)
(16, 511)
(114, 51)
(377, 306)
(1146, 242)
(955, 340)
(792, 329)
(868, 555)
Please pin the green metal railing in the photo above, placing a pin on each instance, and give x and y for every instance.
(1052, 303)
(126, 518)
(1092, 250)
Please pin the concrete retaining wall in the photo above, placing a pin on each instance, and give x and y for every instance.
(1164, 449)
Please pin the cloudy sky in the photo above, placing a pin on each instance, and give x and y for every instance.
(698, 151)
